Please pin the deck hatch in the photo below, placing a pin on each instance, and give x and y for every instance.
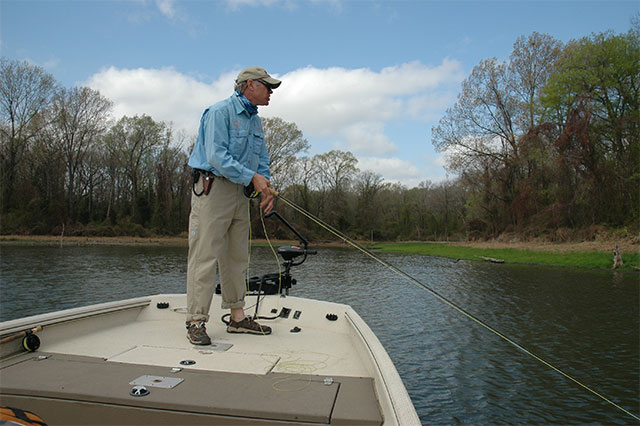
(205, 359)
(157, 381)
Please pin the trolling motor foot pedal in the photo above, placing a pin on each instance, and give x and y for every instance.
(284, 313)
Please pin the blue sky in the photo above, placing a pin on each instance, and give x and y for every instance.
(369, 77)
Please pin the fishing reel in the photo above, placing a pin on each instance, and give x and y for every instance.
(250, 191)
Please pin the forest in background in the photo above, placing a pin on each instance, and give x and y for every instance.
(545, 144)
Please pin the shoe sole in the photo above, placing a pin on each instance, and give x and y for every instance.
(198, 343)
(247, 331)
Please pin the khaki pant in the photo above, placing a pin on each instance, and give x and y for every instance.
(218, 238)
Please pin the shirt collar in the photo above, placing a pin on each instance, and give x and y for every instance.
(237, 104)
(246, 104)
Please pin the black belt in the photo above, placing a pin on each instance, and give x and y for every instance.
(249, 190)
(204, 172)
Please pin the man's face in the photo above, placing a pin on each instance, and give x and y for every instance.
(257, 92)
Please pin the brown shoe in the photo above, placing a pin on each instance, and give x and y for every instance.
(197, 333)
(247, 325)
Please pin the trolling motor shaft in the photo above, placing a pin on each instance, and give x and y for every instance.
(282, 281)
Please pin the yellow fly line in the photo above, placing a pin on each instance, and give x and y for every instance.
(446, 301)
(273, 251)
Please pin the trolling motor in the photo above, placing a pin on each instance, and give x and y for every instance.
(281, 282)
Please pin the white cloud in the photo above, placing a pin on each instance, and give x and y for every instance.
(176, 14)
(164, 94)
(48, 64)
(368, 137)
(236, 4)
(350, 107)
(287, 4)
(441, 160)
(167, 8)
(353, 105)
(392, 169)
(395, 170)
(51, 63)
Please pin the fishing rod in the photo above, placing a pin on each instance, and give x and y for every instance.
(442, 298)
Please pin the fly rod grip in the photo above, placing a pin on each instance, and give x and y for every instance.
(274, 192)
(19, 335)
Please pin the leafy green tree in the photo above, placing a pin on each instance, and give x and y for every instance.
(596, 92)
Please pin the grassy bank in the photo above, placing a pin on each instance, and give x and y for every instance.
(578, 259)
(593, 255)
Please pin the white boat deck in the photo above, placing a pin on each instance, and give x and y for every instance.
(141, 332)
(158, 337)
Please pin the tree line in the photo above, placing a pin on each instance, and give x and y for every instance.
(543, 142)
(550, 139)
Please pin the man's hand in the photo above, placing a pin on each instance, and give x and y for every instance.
(263, 186)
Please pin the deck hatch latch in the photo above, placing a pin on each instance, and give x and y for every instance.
(139, 391)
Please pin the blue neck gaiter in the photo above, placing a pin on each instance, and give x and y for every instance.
(248, 106)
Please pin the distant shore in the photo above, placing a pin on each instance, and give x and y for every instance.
(78, 241)
(628, 245)
(588, 254)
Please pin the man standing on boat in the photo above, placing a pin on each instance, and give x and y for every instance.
(229, 156)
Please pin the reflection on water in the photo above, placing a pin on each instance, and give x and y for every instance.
(584, 322)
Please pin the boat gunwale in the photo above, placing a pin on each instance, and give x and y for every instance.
(10, 327)
(397, 397)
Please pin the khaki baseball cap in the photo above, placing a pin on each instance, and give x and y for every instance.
(257, 73)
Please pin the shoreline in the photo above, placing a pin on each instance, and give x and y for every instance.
(627, 245)
(79, 241)
(596, 254)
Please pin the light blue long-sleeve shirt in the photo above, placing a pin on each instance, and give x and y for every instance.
(230, 143)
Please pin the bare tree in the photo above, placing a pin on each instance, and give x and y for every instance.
(368, 185)
(25, 91)
(337, 169)
(499, 103)
(132, 142)
(79, 117)
(285, 142)
(484, 131)
(169, 165)
(532, 61)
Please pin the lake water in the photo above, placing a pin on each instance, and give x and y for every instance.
(584, 322)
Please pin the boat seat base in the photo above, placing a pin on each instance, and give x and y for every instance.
(72, 389)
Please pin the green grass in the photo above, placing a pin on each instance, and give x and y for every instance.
(593, 260)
